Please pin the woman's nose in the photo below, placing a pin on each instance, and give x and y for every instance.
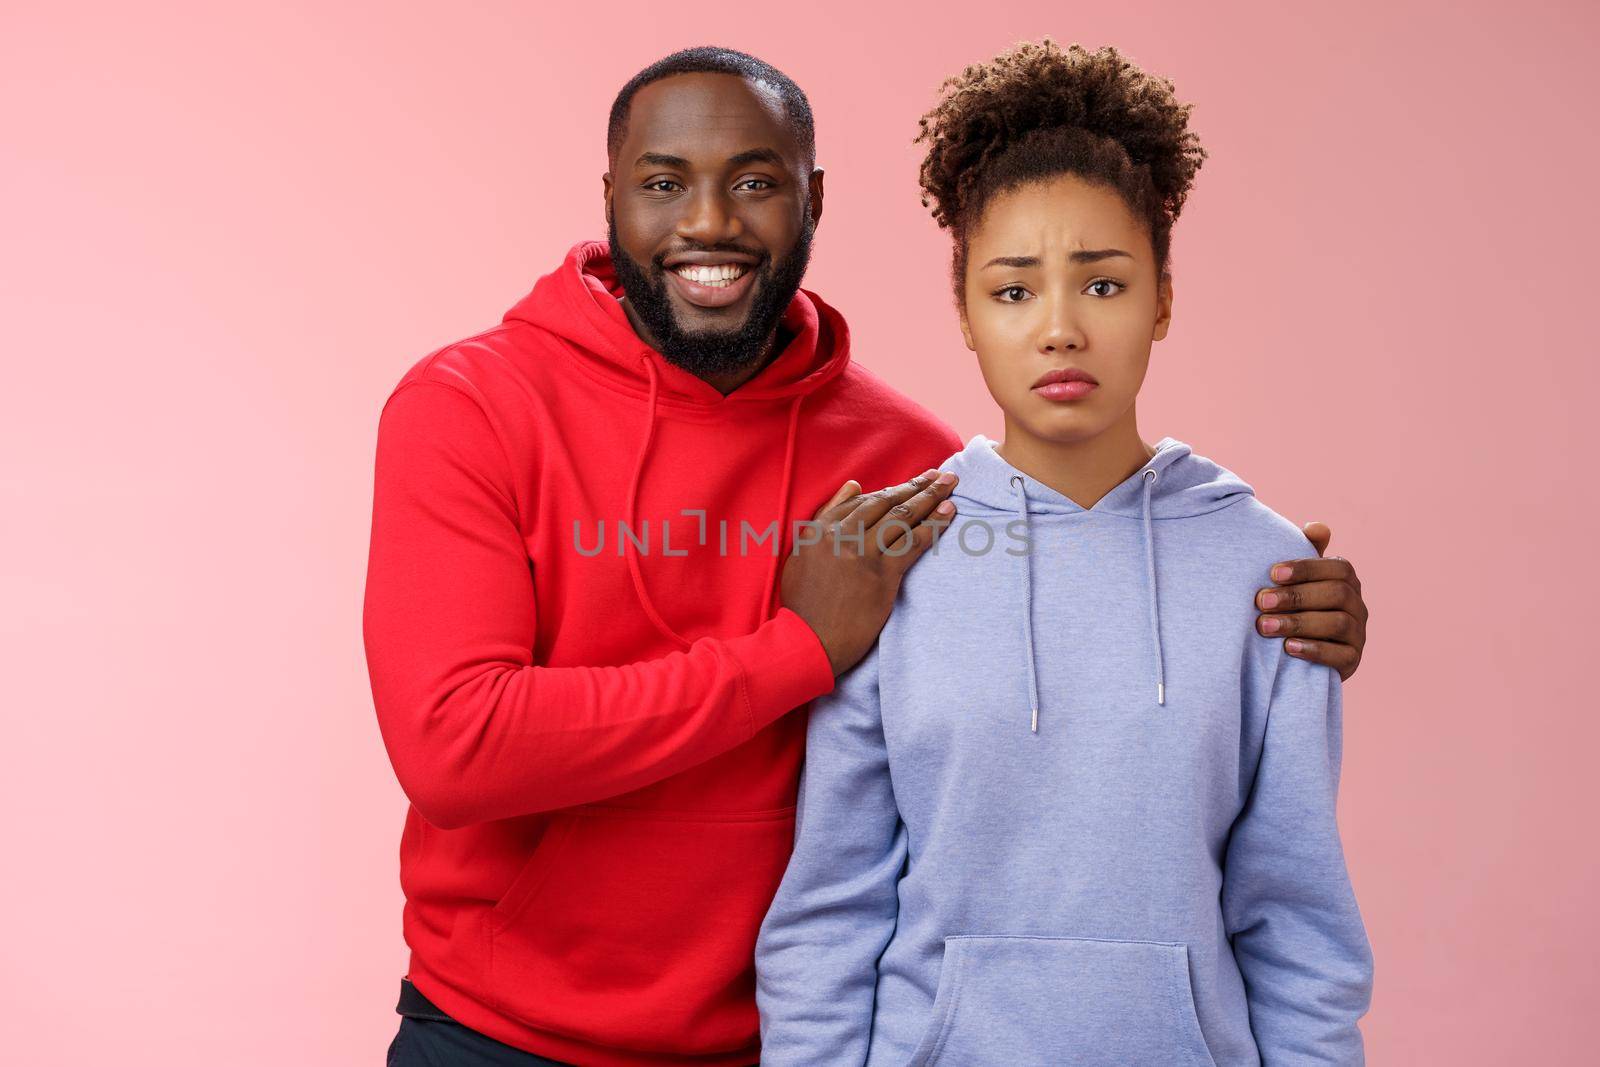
(1060, 333)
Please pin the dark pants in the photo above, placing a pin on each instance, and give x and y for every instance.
(430, 1038)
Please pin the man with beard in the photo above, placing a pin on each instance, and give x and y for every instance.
(589, 616)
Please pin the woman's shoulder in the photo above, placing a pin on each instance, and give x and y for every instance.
(1255, 528)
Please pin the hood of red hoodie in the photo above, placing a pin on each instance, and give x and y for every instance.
(579, 302)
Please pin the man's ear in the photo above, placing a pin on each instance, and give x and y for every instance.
(605, 181)
(816, 195)
(1163, 306)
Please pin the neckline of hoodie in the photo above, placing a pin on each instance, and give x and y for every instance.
(976, 506)
(689, 410)
(604, 324)
(732, 407)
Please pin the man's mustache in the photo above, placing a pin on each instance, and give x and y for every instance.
(762, 259)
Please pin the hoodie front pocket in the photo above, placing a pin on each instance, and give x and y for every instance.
(1034, 1001)
(635, 929)
(525, 886)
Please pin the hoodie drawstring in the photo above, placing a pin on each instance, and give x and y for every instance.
(1149, 477)
(764, 609)
(1027, 599)
(633, 500)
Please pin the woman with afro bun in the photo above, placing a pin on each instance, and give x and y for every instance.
(1072, 808)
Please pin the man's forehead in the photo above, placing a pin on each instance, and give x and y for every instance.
(706, 116)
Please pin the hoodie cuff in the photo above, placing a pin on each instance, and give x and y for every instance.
(783, 665)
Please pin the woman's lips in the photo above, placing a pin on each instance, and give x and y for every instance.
(713, 296)
(1073, 390)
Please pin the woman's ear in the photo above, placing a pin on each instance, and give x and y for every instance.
(966, 330)
(1163, 306)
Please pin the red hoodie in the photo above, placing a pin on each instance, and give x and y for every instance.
(597, 746)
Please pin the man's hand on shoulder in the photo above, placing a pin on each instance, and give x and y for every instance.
(1316, 605)
(848, 561)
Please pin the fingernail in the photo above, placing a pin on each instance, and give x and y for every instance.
(1282, 573)
(1294, 646)
(945, 508)
(1269, 600)
(1271, 626)
(930, 472)
(946, 478)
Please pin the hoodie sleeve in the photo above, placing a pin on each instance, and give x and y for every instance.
(834, 913)
(1290, 911)
(476, 731)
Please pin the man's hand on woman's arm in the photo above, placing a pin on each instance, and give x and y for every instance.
(1316, 605)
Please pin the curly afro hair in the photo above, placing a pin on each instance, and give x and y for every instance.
(1036, 112)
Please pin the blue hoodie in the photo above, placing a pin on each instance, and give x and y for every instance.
(1072, 808)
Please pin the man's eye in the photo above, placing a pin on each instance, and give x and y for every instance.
(660, 182)
(755, 181)
(1006, 297)
(1095, 287)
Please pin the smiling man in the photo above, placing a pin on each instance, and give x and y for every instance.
(589, 621)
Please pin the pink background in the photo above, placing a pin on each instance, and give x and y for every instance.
(227, 233)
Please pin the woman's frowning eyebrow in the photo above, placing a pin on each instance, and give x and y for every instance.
(1081, 256)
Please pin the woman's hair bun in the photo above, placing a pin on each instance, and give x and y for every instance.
(1039, 110)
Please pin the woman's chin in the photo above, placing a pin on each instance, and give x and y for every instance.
(1061, 426)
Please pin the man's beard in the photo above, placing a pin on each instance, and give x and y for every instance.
(712, 352)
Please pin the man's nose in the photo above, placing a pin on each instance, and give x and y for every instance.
(708, 219)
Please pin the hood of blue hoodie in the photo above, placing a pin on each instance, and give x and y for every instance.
(1183, 484)
(1172, 484)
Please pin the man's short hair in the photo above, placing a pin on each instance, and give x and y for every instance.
(707, 59)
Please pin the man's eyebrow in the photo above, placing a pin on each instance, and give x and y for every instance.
(657, 159)
(753, 155)
(756, 155)
(1083, 255)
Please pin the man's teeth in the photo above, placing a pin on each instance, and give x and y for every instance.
(719, 276)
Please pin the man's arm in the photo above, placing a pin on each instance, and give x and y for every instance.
(1287, 903)
(1317, 605)
(477, 732)
(817, 953)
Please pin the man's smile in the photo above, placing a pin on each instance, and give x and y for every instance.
(713, 286)
(711, 279)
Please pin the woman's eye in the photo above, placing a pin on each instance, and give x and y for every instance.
(1012, 294)
(1096, 287)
